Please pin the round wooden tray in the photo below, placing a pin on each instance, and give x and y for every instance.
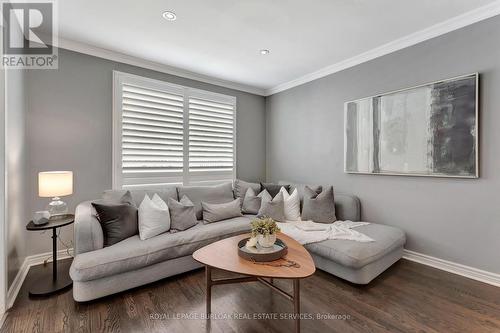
(262, 254)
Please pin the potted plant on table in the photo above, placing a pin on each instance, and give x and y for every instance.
(264, 231)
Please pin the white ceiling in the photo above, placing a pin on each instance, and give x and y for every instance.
(222, 38)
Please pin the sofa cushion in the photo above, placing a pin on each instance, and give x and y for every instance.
(357, 254)
(138, 195)
(241, 187)
(347, 207)
(218, 212)
(132, 253)
(211, 194)
(122, 197)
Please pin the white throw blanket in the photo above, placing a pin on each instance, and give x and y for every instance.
(306, 232)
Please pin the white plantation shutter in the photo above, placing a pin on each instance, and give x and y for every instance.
(169, 134)
(211, 137)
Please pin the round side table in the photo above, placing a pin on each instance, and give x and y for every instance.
(59, 280)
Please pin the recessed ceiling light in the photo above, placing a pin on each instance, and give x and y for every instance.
(264, 51)
(169, 16)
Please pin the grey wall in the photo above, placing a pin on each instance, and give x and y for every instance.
(452, 219)
(69, 128)
(16, 213)
(3, 229)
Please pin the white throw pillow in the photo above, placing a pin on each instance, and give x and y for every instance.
(264, 196)
(154, 217)
(292, 205)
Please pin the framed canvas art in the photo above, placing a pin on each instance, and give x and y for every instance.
(428, 130)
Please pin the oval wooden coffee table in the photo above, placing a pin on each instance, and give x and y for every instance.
(296, 265)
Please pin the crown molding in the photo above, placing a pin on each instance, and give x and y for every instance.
(72, 45)
(436, 30)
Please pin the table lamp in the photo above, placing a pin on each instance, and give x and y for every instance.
(55, 184)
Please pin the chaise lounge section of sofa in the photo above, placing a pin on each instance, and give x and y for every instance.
(99, 271)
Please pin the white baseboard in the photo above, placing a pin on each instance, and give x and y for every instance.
(2, 318)
(453, 267)
(29, 261)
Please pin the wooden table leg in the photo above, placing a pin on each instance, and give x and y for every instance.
(296, 304)
(208, 279)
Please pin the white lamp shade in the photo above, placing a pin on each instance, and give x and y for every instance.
(55, 183)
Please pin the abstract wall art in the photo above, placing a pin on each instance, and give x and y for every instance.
(428, 130)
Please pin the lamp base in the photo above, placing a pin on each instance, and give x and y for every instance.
(57, 207)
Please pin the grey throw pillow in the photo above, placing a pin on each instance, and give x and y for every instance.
(212, 194)
(319, 207)
(241, 187)
(118, 222)
(219, 212)
(252, 202)
(274, 208)
(182, 214)
(273, 189)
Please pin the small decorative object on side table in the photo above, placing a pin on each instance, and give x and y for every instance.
(41, 217)
(60, 279)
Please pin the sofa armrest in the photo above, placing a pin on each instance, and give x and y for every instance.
(88, 231)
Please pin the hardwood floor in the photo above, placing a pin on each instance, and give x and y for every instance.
(408, 297)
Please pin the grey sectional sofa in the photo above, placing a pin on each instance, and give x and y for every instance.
(99, 271)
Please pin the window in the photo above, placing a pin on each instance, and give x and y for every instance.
(170, 134)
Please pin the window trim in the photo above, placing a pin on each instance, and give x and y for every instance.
(119, 78)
